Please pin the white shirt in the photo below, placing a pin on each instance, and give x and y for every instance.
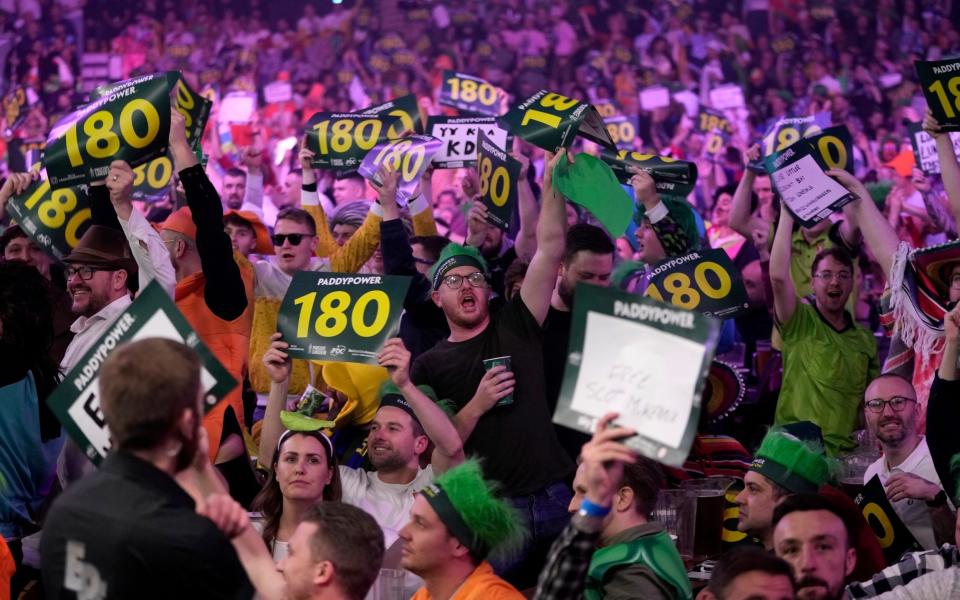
(388, 503)
(150, 253)
(87, 330)
(914, 513)
(271, 282)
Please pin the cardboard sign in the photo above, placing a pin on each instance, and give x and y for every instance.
(342, 140)
(76, 401)
(706, 282)
(470, 94)
(237, 107)
(54, 219)
(278, 92)
(798, 175)
(894, 537)
(549, 120)
(151, 182)
(130, 123)
(344, 318)
(403, 115)
(835, 147)
(458, 137)
(925, 148)
(672, 176)
(653, 98)
(791, 130)
(639, 358)
(622, 130)
(716, 130)
(940, 80)
(727, 96)
(410, 156)
(499, 175)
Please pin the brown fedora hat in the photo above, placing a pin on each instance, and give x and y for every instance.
(103, 247)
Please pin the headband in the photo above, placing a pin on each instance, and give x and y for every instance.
(457, 260)
(440, 502)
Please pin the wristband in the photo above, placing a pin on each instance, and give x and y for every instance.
(589, 509)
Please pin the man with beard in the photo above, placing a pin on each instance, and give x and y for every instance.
(129, 530)
(588, 258)
(828, 359)
(811, 535)
(503, 412)
(243, 190)
(906, 469)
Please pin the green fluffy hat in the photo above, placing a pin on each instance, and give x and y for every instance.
(453, 256)
(799, 466)
(682, 213)
(469, 507)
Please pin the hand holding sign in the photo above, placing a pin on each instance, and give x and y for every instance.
(54, 219)
(603, 458)
(798, 175)
(940, 81)
(409, 157)
(276, 361)
(396, 359)
(908, 486)
(551, 120)
(341, 140)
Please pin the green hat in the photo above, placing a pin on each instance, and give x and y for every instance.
(467, 504)
(682, 213)
(390, 395)
(453, 256)
(797, 465)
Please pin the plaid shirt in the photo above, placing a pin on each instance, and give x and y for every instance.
(565, 574)
(910, 567)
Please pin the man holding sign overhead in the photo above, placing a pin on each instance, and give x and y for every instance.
(491, 366)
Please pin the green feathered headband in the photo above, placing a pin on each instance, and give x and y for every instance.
(682, 213)
(468, 506)
(799, 466)
(453, 256)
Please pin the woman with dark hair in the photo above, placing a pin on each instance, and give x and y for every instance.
(303, 472)
(29, 433)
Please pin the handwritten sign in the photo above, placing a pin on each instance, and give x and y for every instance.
(798, 175)
(925, 148)
(458, 137)
(641, 359)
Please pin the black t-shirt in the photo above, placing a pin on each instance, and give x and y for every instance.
(516, 442)
(556, 338)
(129, 531)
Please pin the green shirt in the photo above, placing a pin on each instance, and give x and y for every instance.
(825, 372)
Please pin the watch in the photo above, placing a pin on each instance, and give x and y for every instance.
(939, 500)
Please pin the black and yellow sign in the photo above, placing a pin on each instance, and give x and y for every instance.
(499, 175)
(15, 107)
(344, 318)
(151, 182)
(709, 120)
(130, 123)
(469, 94)
(403, 115)
(706, 282)
(409, 156)
(893, 535)
(672, 177)
(940, 80)
(835, 147)
(549, 120)
(622, 130)
(54, 219)
(341, 140)
(790, 130)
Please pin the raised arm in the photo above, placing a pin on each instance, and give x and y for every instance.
(877, 233)
(541, 277)
(16, 184)
(278, 367)
(252, 159)
(784, 294)
(949, 168)
(741, 219)
(448, 447)
(526, 245)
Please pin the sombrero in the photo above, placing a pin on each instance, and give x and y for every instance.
(722, 392)
(936, 261)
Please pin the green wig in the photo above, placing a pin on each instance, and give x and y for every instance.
(469, 507)
(453, 256)
(682, 213)
(799, 466)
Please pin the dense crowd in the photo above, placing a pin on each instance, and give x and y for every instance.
(439, 472)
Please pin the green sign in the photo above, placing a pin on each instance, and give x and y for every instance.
(672, 177)
(940, 80)
(54, 219)
(639, 358)
(341, 140)
(341, 317)
(404, 109)
(410, 156)
(130, 123)
(706, 282)
(499, 176)
(894, 537)
(925, 148)
(791, 130)
(797, 173)
(76, 401)
(549, 120)
(469, 94)
(151, 181)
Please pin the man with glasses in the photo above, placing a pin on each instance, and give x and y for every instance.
(906, 469)
(827, 358)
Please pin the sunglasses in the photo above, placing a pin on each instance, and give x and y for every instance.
(295, 238)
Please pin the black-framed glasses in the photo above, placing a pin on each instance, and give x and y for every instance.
(476, 279)
(85, 272)
(897, 403)
(830, 275)
(295, 238)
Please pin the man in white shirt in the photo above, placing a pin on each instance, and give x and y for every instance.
(905, 469)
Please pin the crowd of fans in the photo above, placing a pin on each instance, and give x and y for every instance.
(435, 468)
